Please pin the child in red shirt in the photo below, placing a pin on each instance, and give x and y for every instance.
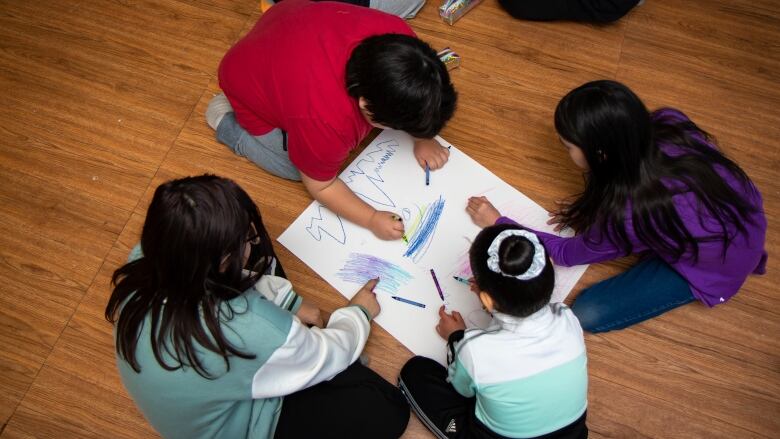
(310, 80)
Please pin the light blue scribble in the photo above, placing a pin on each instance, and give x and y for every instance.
(422, 236)
(360, 268)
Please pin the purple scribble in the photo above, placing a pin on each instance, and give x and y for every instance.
(360, 268)
(463, 267)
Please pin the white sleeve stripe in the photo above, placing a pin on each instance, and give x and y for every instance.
(311, 356)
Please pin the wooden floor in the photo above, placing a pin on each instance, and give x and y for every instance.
(102, 100)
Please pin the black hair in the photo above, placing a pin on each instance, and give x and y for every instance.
(193, 242)
(519, 298)
(404, 82)
(621, 143)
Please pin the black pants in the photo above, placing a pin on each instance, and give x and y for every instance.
(450, 415)
(357, 403)
(597, 11)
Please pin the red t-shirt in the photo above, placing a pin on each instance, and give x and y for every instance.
(288, 72)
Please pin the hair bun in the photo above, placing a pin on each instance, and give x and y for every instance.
(515, 255)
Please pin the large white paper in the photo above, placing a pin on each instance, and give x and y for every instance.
(387, 176)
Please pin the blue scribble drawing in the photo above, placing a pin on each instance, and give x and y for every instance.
(327, 223)
(421, 232)
(360, 268)
(369, 169)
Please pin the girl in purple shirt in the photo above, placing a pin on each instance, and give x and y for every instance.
(654, 183)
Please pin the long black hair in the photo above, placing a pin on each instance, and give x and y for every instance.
(193, 243)
(404, 82)
(519, 298)
(621, 143)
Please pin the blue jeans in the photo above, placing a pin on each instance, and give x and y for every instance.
(648, 289)
(268, 151)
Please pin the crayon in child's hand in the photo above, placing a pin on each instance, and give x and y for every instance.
(462, 280)
(404, 237)
(427, 174)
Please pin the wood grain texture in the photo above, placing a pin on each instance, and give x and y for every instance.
(93, 95)
(103, 100)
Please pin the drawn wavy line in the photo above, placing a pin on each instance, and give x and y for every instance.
(387, 149)
(416, 223)
(360, 268)
(317, 234)
(422, 237)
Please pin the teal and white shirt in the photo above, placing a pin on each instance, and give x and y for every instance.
(529, 375)
(245, 401)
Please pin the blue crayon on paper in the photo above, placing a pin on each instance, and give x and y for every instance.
(410, 302)
(461, 280)
(427, 174)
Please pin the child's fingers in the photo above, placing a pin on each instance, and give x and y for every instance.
(442, 313)
(477, 199)
(371, 284)
(438, 161)
(458, 318)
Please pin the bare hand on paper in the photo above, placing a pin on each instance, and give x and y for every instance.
(482, 211)
(449, 323)
(431, 152)
(557, 216)
(366, 298)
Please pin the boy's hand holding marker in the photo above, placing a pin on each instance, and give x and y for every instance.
(482, 211)
(429, 152)
(386, 225)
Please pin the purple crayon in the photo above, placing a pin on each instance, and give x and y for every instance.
(436, 282)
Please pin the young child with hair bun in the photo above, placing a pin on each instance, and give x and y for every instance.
(525, 375)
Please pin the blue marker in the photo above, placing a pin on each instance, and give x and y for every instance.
(427, 174)
(410, 302)
(462, 280)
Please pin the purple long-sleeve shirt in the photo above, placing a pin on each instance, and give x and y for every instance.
(713, 278)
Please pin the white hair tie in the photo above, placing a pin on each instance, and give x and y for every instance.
(537, 265)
